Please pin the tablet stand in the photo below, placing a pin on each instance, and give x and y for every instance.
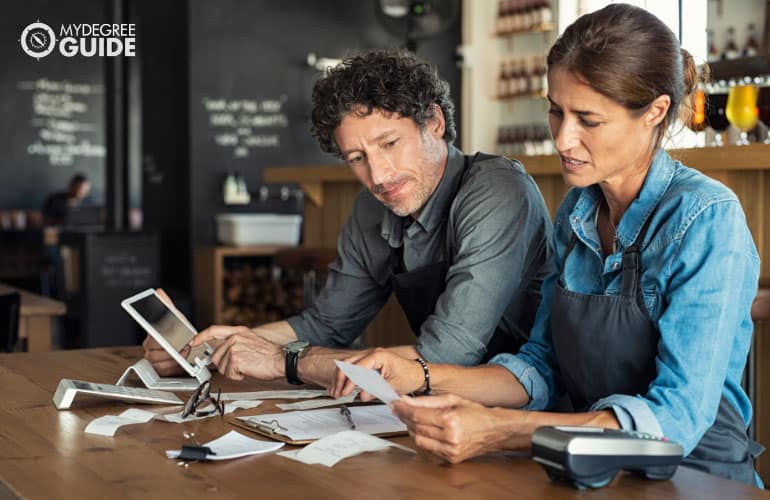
(150, 378)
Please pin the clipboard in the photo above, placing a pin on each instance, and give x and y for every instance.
(280, 426)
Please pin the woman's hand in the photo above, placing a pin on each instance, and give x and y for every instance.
(404, 375)
(457, 429)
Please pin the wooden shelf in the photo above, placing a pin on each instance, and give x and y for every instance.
(310, 178)
(248, 251)
(751, 157)
(541, 94)
(308, 173)
(540, 28)
(740, 67)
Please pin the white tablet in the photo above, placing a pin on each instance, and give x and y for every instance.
(171, 329)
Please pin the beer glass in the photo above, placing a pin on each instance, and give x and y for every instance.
(716, 102)
(697, 122)
(742, 111)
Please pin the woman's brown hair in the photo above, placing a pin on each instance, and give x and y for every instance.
(629, 55)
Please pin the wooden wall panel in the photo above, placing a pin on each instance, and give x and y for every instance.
(312, 225)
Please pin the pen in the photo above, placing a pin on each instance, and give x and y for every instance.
(345, 411)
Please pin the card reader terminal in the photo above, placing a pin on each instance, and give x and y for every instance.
(590, 457)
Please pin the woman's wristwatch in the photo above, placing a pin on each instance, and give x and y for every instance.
(292, 351)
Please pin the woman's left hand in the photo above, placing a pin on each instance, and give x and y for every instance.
(453, 428)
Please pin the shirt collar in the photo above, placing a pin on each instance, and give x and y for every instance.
(654, 187)
(435, 210)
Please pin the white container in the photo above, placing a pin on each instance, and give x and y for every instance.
(258, 229)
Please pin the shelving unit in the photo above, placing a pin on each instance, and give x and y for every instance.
(209, 278)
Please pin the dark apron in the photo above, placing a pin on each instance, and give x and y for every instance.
(607, 344)
(417, 291)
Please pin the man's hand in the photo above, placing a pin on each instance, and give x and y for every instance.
(243, 352)
(162, 361)
(405, 375)
(453, 428)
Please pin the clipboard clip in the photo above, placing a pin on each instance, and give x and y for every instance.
(267, 426)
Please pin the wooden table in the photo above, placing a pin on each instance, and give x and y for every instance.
(36, 317)
(44, 453)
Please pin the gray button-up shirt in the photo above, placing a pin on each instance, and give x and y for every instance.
(496, 231)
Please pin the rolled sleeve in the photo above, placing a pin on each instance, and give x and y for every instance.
(501, 230)
(351, 296)
(632, 413)
(713, 278)
(528, 376)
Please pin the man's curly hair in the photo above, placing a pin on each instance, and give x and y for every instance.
(393, 81)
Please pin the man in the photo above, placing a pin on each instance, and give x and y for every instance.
(463, 242)
(56, 205)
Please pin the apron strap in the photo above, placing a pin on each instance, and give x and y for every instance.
(632, 267)
(632, 264)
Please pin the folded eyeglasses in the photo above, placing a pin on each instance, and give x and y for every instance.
(203, 395)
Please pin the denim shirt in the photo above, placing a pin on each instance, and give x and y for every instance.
(700, 276)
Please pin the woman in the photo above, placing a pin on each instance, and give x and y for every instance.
(646, 324)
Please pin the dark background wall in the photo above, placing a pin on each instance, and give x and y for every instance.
(257, 51)
(41, 121)
(197, 63)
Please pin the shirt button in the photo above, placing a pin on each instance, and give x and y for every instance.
(615, 266)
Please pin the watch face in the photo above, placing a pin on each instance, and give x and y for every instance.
(296, 346)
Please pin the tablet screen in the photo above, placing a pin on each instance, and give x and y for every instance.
(168, 324)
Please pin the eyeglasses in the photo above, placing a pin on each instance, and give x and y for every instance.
(203, 395)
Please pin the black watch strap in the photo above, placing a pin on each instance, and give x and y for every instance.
(291, 368)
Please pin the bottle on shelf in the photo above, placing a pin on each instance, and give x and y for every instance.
(751, 48)
(546, 12)
(501, 23)
(522, 76)
(731, 48)
(234, 190)
(502, 81)
(243, 191)
(528, 16)
(230, 188)
(514, 78)
(713, 51)
(524, 140)
(537, 75)
(509, 19)
(514, 16)
(543, 74)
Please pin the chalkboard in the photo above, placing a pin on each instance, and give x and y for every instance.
(250, 86)
(114, 266)
(51, 109)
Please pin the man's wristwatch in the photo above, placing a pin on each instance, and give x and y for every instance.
(292, 351)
